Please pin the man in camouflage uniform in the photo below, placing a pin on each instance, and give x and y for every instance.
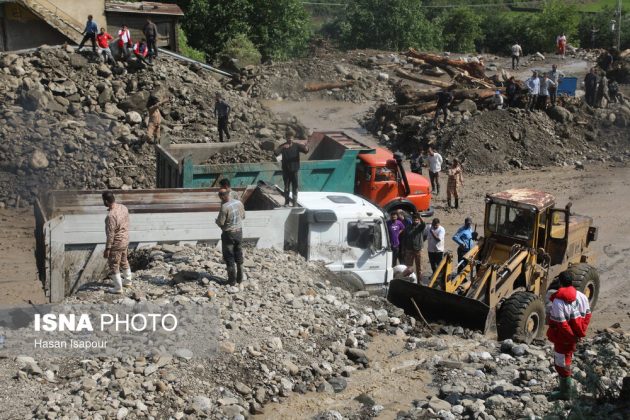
(117, 231)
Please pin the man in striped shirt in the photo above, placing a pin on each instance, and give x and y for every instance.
(230, 221)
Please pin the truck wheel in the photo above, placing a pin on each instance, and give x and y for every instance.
(521, 318)
(586, 280)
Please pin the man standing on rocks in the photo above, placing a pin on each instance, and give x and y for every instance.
(556, 77)
(464, 240)
(155, 119)
(444, 99)
(602, 91)
(124, 41)
(435, 166)
(222, 112)
(91, 28)
(117, 232)
(545, 85)
(569, 314)
(435, 238)
(150, 31)
(533, 84)
(412, 242)
(230, 221)
(590, 87)
(103, 39)
(517, 51)
(290, 152)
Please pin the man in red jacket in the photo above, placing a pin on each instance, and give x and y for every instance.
(569, 314)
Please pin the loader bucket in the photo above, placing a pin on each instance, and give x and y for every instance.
(437, 305)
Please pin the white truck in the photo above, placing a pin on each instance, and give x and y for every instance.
(345, 231)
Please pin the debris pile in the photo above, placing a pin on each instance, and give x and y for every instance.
(67, 121)
(245, 153)
(354, 76)
(287, 329)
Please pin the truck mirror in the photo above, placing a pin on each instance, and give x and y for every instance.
(391, 165)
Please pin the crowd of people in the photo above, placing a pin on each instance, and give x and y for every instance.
(144, 50)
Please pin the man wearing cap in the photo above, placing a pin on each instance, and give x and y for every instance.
(464, 240)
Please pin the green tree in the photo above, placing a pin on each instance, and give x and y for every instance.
(209, 24)
(279, 28)
(242, 49)
(604, 36)
(557, 17)
(387, 24)
(461, 29)
(186, 50)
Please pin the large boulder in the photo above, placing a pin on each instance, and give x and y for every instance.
(38, 160)
(467, 105)
(32, 100)
(133, 117)
(560, 114)
(136, 102)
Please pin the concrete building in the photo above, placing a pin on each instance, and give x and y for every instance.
(31, 23)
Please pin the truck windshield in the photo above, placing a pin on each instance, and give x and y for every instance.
(384, 174)
(510, 221)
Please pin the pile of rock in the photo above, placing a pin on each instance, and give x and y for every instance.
(495, 141)
(69, 121)
(287, 329)
(357, 72)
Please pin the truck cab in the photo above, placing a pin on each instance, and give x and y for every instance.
(382, 179)
(346, 232)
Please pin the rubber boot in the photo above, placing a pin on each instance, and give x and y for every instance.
(448, 200)
(457, 203)
(239, 273)
(127, 278)
(117, 289)
(231, 272)
(295, 196)
(564, 390)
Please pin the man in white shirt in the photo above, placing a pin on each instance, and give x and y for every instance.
(517, 51)
(435, 240)
(435, 166)
(543, 94)
(533, 84)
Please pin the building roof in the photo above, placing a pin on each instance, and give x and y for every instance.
(528, 196)
(144, 8)
(344, 204)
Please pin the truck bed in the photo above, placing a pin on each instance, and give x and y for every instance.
(70, 229)
(328, 166)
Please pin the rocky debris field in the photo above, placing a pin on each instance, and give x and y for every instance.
(291, 329)
(246, 153)
(496, 141)
(288, 328)
(69, 121)
(360, 70)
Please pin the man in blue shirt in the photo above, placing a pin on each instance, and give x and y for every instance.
(90, 31)
(464, 240)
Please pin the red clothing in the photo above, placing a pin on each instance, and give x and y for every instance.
(143, 50)
(103, 40)
(124, 38)
(569, 317)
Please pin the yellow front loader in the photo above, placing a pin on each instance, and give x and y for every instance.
(502, 281)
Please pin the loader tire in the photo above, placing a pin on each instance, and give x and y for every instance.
(586, 280)
(521, 318)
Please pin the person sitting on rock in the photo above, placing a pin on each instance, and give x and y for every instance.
(568, 314)
(141, 51)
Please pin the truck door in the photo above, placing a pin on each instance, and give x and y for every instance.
(364, 180)
(365, 250)
(324, 240)
(557, 235)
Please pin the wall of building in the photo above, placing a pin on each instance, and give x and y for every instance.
(80, 9)
(21, 29)
(167, 27)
